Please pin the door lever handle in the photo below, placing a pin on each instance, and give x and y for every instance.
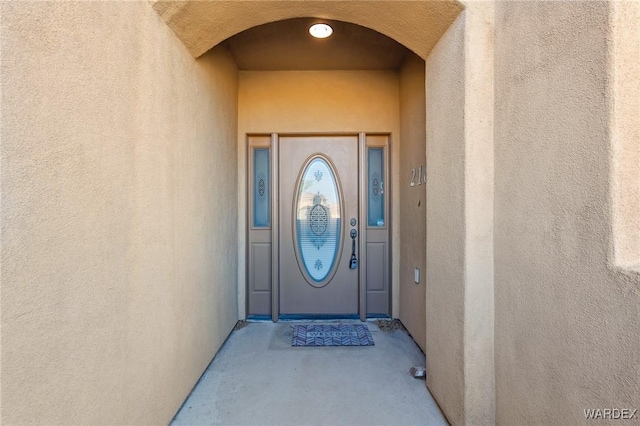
(353, 263)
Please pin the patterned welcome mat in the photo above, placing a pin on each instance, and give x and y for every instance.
(332, 335)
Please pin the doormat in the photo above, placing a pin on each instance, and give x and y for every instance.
(331, 335)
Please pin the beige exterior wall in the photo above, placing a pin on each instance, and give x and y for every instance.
(118, 254)
(203, 24)
(566, 322)
(412, 200)
(445, 222)
(316, 101)
(624, 68)
(459, 347)
(479, 368)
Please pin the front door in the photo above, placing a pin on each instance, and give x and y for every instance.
(307, 196)
(318, 211)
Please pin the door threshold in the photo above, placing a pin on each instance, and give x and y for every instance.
(315, 317)
(298, 317)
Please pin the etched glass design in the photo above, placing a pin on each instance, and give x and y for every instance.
(318, 221)
(375, 198)
(261, 188)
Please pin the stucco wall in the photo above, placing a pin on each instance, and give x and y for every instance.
(203, 24)
(118, 252)
(460, 226)
(624, 68)
(566, 324)
(479, 368)
(413, 222)
(317, 101)
(445, 221)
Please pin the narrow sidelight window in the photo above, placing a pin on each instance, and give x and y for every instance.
(261, 188)
(375, 196)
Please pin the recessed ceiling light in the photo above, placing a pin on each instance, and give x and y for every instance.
(320, 30)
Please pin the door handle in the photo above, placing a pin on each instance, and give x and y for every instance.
(353, 263)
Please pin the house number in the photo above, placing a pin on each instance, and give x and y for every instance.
(418, 177)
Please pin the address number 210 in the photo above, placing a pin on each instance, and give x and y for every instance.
(417, 176)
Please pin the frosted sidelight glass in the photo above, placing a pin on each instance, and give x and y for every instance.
(375, 196)
(318, 220)
(261, 188)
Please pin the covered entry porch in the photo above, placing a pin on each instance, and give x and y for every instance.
(129, 193)
(124, 186)
(257, 377)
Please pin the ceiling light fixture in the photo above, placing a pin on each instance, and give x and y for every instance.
(320, 30)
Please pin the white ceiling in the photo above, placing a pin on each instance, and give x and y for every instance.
(287, 45)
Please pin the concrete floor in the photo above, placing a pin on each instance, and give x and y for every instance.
(258, 378)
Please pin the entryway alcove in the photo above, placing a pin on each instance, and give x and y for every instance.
(452, 264)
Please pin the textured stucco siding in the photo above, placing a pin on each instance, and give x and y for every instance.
(460, 225)
(118, 213)
(413, 223)
(202, 24)
(566, 323)
(445, 221)
(624, 113)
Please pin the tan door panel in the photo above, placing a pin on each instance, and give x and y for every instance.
(318, 197)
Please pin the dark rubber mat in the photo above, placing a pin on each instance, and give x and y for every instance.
(332, 335)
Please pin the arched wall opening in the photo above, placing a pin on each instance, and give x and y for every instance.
(201, 25)
(356, 81)
(456, 43)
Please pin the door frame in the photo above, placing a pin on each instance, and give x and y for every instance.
(362, 215)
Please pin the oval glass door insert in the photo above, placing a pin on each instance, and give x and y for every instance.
(318, 221)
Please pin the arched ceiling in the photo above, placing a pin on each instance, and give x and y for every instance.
(200, 25)
(286, 45)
